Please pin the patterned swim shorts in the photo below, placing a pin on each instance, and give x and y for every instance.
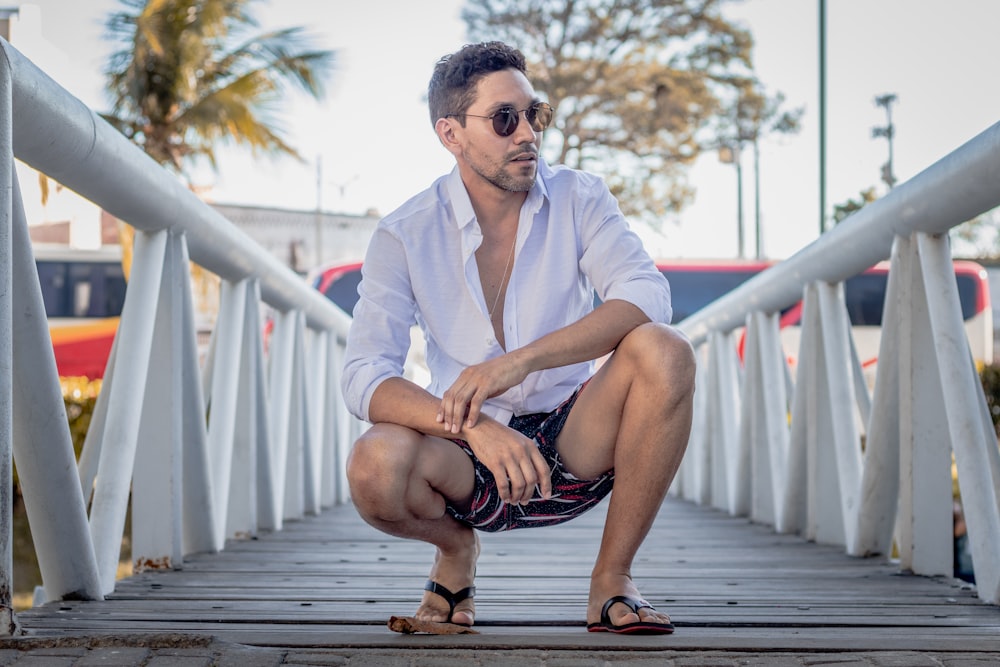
(570, 498)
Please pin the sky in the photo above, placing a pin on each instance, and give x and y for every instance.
(370, 145)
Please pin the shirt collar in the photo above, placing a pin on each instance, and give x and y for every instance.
(462, 206)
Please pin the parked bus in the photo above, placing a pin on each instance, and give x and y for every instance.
(696, 283)
(83, 292)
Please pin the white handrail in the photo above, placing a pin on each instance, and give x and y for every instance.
(208, 465)
(957, 188)
(808, 473)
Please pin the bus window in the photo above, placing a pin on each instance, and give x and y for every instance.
(344, 291)
(693, 289)
(339, 283)
(81, 289)
(112, 293)
(865, 296)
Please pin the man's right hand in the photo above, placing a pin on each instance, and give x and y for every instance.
(513, 459)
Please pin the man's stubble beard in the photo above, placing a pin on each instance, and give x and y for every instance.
(504, 181)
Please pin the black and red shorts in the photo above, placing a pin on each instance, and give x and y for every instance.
(570, 497)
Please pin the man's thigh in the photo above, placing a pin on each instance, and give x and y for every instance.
(586, 443)
(390, 452)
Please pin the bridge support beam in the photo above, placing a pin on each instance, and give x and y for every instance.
(977, 456)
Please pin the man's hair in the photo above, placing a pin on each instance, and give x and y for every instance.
(452, 89)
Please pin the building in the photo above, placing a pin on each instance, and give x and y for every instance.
(304, 240)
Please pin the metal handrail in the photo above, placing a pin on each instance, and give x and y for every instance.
(790, 454)
(222, 483)
(60, 136)
(955, 189)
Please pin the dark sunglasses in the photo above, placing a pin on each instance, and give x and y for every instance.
(506, 120)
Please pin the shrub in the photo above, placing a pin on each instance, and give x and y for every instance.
(990, 376)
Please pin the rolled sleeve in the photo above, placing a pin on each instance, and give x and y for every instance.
(379, 338)
(617, 263)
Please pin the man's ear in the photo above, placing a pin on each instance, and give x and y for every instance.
(445, 128)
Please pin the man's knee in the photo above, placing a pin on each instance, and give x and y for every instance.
(379, 463)
(662, 355)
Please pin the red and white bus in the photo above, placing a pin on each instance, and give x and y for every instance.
(83, 292)
(696, 283)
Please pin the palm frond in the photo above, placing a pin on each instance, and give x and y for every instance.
(190, 73)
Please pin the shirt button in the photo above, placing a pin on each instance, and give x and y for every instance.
(490, 340)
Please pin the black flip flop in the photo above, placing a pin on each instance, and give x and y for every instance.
(451, 598)
(642, 627)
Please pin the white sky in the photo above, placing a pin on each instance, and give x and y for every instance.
(377, 147)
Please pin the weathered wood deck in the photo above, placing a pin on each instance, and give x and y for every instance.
(331, 580)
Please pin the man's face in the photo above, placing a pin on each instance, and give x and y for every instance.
(509, 163)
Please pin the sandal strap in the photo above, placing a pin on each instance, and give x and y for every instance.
(451, 598)
(634, 604)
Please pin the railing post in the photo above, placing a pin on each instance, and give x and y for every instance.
(764, 393)
(308, 500)
(223, 400)
(43, 446)
(121, 433)
(880, 477)
(318, 365)
(8, 623)
(157, 491)
(267, 507)
(973, 439)
(280, 378)
(242, 519)
(342, 427)
(846, 440)
(731, 459)
(198, 508)
(924, 522)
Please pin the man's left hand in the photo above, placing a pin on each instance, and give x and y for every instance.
(476, 384)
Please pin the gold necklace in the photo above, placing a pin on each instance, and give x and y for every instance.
(504, 276)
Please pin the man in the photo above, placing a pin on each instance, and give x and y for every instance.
(497, 262)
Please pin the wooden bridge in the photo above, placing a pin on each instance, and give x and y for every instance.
(731, 585)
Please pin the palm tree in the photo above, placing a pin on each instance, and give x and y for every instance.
(191, 74)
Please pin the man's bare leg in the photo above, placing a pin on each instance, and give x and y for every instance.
(399, 480)
(634, 415)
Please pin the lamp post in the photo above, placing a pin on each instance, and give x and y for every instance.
(822, 117)
(730, 154)
(888, 132)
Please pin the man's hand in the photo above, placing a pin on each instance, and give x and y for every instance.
(474, 385)
(513, 459)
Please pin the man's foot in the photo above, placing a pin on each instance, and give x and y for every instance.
(615, 605)
(446, 598)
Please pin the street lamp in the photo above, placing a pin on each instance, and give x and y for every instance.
(730, 154)
(888, 131)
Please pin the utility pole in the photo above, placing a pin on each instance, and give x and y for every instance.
(318, 255)
(888, 131)
(822, 116)
(731, 154)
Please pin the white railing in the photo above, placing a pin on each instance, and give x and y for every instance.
(790, 454)
(253, 440)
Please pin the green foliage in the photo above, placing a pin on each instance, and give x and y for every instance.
(637, 84)
(191, 73)
(841, 211)
(979, 237)
(990, 376)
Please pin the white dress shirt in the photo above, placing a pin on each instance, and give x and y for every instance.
(421, 268)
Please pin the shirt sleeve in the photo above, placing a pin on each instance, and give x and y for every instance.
(379, 338)
(614, 259)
